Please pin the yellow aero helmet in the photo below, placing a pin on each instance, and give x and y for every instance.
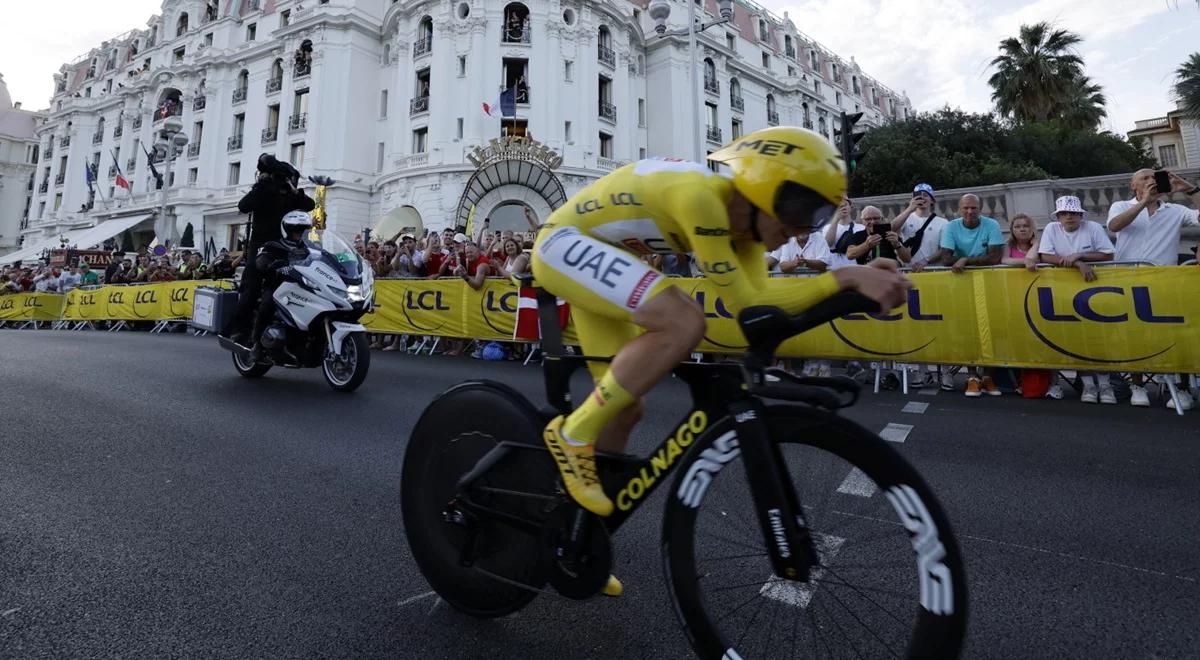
(792, 173)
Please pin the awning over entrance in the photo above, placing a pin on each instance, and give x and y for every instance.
(34, 251)
(525, 173)
(80, 238)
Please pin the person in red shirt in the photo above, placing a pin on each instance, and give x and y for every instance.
(473, 266)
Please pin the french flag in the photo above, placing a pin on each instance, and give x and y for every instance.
(505, 106)
(527, 327)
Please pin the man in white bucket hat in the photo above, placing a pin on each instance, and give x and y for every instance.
(1072, 242)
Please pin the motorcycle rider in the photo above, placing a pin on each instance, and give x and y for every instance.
(271, 263)
(273, 195)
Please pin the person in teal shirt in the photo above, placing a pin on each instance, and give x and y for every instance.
(970, 240)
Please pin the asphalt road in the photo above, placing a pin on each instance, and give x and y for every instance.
(154, 504)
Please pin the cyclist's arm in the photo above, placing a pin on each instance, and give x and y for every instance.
(740, 270)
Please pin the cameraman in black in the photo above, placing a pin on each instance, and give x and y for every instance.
(273, 195)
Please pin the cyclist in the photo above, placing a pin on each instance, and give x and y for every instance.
(785, 182)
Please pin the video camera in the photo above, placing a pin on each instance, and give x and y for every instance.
(280, 172)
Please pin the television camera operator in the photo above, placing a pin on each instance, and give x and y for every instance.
(274, 194)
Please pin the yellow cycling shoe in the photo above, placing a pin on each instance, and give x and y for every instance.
(578, 467)
(613, 587)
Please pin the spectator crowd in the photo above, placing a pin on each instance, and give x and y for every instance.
(139, 268)
(1144, 229)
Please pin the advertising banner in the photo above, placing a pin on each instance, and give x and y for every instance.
(1143, 319)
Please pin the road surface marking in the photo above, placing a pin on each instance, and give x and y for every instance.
(894, 432)
(857, 483)
(916, 407)
(414, 599)
(799, 594)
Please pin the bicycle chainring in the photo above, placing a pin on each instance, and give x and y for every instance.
(578, 568)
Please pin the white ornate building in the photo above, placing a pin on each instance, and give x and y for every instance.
(387, 97)
(18, 160)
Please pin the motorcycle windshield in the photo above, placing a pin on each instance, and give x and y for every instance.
(336, 253)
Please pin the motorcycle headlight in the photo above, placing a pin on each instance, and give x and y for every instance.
(355, 293)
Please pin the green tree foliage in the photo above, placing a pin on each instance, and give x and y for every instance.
(1187, 86)
(956, 149)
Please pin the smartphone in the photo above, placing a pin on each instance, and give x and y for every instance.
(1162, 181)
(881, 229)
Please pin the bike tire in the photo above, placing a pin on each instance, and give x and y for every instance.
(457, 429)
(939, 610)
(362, 361)
(256, 370)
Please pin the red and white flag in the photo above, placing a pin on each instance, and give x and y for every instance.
(527, 327)
(122, 182)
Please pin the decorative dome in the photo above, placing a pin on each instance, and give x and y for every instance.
(5, 97)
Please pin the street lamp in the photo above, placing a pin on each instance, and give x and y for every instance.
(170, 143)
(660, 10)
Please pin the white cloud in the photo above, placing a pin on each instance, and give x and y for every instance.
(42, 36)
(939, 52)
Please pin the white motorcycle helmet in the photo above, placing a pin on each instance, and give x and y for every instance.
(295, 221)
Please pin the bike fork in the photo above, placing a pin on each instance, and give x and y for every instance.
(787, 537)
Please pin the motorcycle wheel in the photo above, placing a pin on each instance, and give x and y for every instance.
(241, 362)
(345, 372)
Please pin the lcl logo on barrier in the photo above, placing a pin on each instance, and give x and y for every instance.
(1083, 306)
(7, 304)
(179, 294)
(426, 301)
(715, 310)
(495, 302)
(32, 301)
(914, 313)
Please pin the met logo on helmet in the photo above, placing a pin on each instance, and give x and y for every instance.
(768, 147)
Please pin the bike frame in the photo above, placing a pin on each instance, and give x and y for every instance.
(718, 392)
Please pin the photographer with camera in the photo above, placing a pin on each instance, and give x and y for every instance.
(875, 241)
(274, 194)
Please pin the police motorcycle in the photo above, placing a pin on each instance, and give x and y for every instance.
(324, 290)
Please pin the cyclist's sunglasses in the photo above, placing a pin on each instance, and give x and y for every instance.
(801, 207)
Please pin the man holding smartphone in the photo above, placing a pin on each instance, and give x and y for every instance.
(1147, 230)
(920, 227)
(874, 241)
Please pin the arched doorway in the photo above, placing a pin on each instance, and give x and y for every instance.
(513, 173)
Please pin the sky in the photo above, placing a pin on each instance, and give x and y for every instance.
(936, 50)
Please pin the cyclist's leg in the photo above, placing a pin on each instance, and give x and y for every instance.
(614, 284)
(601, 336)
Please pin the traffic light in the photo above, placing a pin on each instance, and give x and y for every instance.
(848, 141)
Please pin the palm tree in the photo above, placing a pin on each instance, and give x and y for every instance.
(1083, 107)
(1035, 72)
(1187, 86)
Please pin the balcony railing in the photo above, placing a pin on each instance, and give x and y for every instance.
(714, 134)
(59, 178)
(515, 35)
(194, 150)
(239, 94)
(131, 163)
(44, 187)
(606, 55)
(137, 122)
(772, 117)
(199, 102)
(112, 171)
(48, 152)
(303, 69)
(808, 124)
(418, 105)
(97, 138)
(423, 46)
(64, 141)
(269, 135)
(607, 164)
(234, 143)
(608, 111)
(298, 122)
(712, 85)
(274, 85)
(119, 131)
(737, 103)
